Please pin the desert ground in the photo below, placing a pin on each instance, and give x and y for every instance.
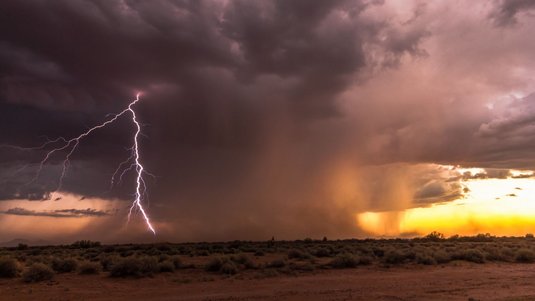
(432, 268)
(451, 282)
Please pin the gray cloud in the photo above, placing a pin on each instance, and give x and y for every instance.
(62, 213)
(505, 14)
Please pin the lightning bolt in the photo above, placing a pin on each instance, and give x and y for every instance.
(139, 170)
(70, 146)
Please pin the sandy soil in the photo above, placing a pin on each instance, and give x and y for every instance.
(451, 282)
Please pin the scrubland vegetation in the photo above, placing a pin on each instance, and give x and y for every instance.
(260, 259)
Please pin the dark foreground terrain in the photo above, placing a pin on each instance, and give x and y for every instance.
(432, 268)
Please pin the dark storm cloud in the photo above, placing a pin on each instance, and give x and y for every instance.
(62, 213)
(506, 12)
(508, 135)
(437, 192)
(488, 173)
(202, 63)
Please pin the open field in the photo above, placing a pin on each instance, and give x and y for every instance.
(431, 268)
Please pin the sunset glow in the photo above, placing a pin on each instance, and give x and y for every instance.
(498, 206)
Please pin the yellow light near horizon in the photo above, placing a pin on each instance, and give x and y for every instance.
(496, 206)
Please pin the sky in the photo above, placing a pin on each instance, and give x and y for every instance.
(281, 118)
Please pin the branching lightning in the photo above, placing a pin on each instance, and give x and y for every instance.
(70, 146)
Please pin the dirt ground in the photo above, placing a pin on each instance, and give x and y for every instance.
(450, 282)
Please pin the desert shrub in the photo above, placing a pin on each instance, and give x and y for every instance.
(434, 236)
(163, 257)
(495, 254)
(22, 246)
(508, 253)
(152, 252)
(221, 264)
(205, 253)
(441, 256)
(177, 262)
(298, 254)
(322, 252)
(410, 255)
(365, 260)
(277, 263)
(38, 259)
(394, 257)
(108, 249)
(85, 244)
(166, 266)
(134, 266)
(425, 259)
(215, 264)
(525, 255)
(305, 266)
(228, 268)
(378, 252)
(244, 260)
(126, 253)
(259, 253)
(64, 265)
(89, 268)
(37, 272)
(149, 265)
(344, 260)
(164, 247)
(472, 255)
(8, 267)
(107, 261)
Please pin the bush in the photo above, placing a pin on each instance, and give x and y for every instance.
(434, 236)
(107, 261)
(22, 246)
(166, 266)
(277, 263)
(345, 260)
(223, 265)
(215, 264)
(37, 272)
(177, 262)
(441, 256)
(322, 252)
(525, 256)
(229, 268)
(394, 257)
(472, 255)
(85, 244)
(425, 259)
(495, 254)
(89, 268)
(305, 266)
(365, 260)
(244, 260)
(378, 252)
(8, 267)
(298, 254)
(64, 265)
(134, 267)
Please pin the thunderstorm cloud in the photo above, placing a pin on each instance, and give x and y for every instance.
(263, 118)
